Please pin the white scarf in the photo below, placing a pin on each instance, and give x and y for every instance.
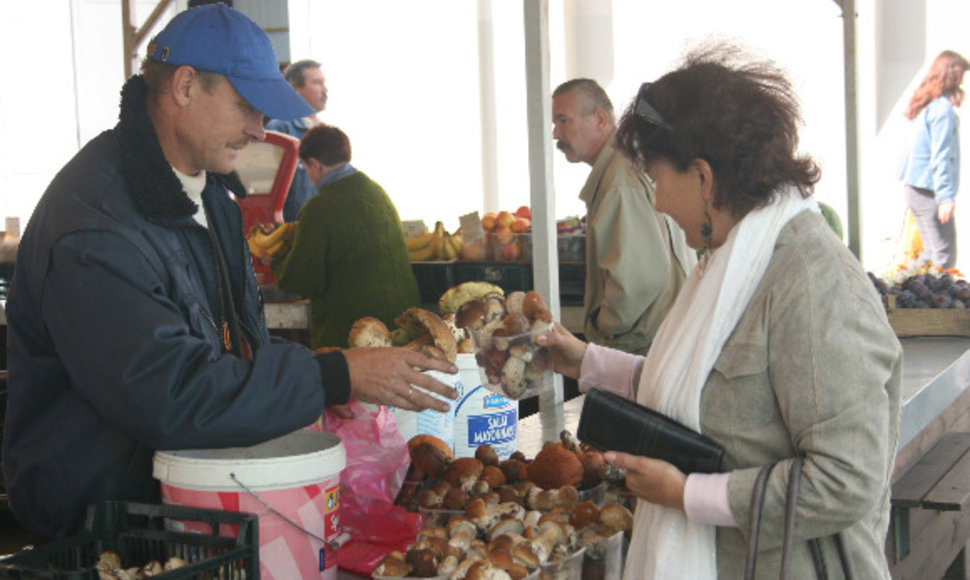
(669, 546)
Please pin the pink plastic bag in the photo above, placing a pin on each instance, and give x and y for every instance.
(377, 461)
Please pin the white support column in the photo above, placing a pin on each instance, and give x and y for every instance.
(486, 76)
(853, 221)
(545, 259)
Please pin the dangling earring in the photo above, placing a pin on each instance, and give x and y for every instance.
(707, 228)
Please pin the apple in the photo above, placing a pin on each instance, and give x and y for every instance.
(504, 234)
(520, 225)
(510, 252)
(504, 218)
(488, 221)
(524, 212)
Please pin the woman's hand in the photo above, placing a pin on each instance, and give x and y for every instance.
(944, 211)
(567, 351)
(388, 376)
(654, 480)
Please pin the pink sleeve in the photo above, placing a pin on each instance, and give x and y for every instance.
(610, 370)
(706, 499)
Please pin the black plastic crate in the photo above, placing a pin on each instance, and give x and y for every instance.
(433, 279)
(139, 533)
(510, 276)
(572, 284)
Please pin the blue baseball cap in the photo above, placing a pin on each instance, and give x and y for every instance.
(220, 39)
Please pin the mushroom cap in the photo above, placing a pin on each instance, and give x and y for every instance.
(515, 323)
(533, 303)
(463, 471)
(471, 315)
(616, 517)
(432, 440)
(369, 331)
(453, 298)
(429, 460)
(393, 565)
(493, 476)
(458, 523)
(418, 322)
(423, 562)
(455, 499)
(554, 467)
(584, 514)
(486, 454)
(506, 526)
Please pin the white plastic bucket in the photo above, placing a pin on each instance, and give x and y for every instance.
(430, 422)
(298, 478)
(481, 416)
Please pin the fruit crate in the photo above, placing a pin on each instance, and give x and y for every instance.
(913, 322)
(139, 533)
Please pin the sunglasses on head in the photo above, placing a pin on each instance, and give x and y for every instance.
(645, 110)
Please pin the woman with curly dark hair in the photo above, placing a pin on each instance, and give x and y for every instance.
(777, 347)
(931, 170)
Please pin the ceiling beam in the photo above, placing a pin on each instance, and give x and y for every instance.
(133, 37)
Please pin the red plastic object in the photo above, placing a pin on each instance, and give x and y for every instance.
(266, 170)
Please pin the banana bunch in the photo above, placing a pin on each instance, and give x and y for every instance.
(267, 246)
(435, 245)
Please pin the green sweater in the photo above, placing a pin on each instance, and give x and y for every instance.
(349, 258)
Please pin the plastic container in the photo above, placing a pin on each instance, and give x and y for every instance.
(292, 483)
(437, 518)
(568, 568)
(431, 422)
(604, 559)
(225, 546)
(504, 371)
(482, 416)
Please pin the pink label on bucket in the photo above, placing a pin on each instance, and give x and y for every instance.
(285, 551)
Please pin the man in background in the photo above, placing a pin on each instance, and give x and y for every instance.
(636, 258)
(348, 256)
(306, 78)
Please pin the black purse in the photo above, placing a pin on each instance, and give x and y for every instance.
(611, 422)
(757, 502)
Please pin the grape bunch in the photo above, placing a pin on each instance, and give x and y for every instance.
(926, 290)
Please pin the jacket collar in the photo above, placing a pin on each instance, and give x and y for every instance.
(588, 193)
(152, 184)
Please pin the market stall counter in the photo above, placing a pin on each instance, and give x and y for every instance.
(935, 401)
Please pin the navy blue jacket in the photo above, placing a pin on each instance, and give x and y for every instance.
(115, 342)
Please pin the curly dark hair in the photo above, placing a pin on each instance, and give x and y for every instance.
(738, 113)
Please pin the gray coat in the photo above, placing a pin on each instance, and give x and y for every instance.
(812, 368)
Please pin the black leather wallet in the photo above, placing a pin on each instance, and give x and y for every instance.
(609, 422)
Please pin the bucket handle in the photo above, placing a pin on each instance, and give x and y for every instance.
(332, 544)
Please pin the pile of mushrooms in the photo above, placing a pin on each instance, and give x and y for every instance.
(503, 329)
(503, 519)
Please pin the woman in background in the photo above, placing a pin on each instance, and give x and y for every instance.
(777, 346)
(931, 170)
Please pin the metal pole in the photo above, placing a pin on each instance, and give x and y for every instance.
(854, 223)
(545, 258)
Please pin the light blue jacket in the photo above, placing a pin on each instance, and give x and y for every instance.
(933, 160)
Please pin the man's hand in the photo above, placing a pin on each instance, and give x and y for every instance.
(651, 479)
(389, 376)
(944, 211)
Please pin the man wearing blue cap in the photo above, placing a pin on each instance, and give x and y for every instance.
(134, 319)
